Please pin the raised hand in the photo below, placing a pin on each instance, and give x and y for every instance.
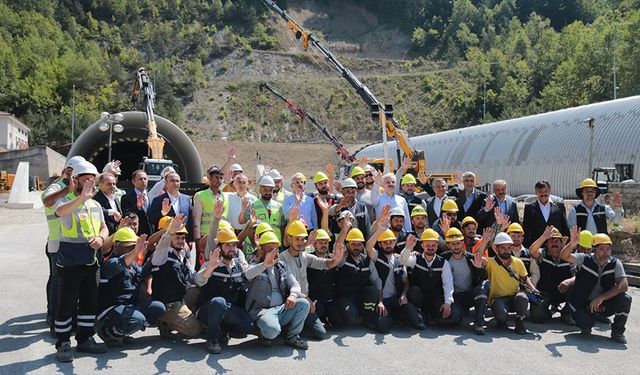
(487, 234)
(294, 214)
(323, 204)
(338, 251)
(423, 178)
(88, 189)
(246, 202)
(406, 163)
(364, 161)
(383, 223)
(140, 201)
(377, 177)
(445, 224)
(548, 232)
(125, 222)
(270, 258)
(329, 169)
(501, 218)
(218, 210)
(117, 216)
(457, 177)
(166, 207)
(411, 241)
(141, 244)
(214, 259)
(489, 203)
(617, 199)
(338, 185)
(312, 237)
(574, 235)
(386, 212)
(176, 223)
(253, 217)
(231, 154)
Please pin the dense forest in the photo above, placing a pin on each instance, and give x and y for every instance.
(512, 57)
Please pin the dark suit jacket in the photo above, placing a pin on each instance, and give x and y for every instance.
(476, 205)
(534, 224)
(112, 224)
(431, 212)
(129, 203)
(154, 213)
(487, 218)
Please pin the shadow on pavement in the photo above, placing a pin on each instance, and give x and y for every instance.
(590, 344)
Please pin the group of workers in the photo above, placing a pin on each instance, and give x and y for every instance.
(367, 250)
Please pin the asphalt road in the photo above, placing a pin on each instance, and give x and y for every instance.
(26, 347)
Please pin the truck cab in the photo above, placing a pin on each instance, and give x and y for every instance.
(154, 167)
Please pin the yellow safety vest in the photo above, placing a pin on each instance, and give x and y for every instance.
(208, 205)
(53, 222)
(88, 215)
(273, 220)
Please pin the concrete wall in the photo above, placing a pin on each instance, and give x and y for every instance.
(43, 161)
(630, 195)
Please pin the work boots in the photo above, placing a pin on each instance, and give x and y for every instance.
(64, 353)
(519, 329)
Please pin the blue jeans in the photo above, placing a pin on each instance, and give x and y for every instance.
(271, 320)
(502, 305)
(314, 327)
(219, 313)
(124, 320)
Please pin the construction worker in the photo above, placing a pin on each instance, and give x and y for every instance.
(350, 202)
(396, 225)
(240, 184)
(600, 286)
(553, 271)
(408, 186)
(470, 284)
(358, 175)
(418, 220)
(585, 244)
(591, 215)
(369, 174)
(138, 201)
(322, 283)
(268, 210)
(107, 199)
(298, 261)
(279, 193)
(518, 250)
(304, 203)
(430, 280)
(393, 303)
(434, 203)
(503, 201)
(234, 170)
(388, 197)
(172, 268)
(121, 311)
(222, 293)
(274, 298)
(82, 233)
(469, 199)
(448, 219)
(323, 196)
(469, 228)
(204, 201)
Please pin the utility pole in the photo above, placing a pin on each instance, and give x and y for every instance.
(73, 113)
(590, 125)
(615, 83)
(484, 102)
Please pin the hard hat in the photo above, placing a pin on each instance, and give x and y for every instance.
(300, 175)
(223, 224)
(319, 177)
(344, 214)
(397, 211)
(587, 183)
(555, 233)
(356, 171)
(368, 168)
(323, 235)
(182, 230)
(349, 183)
(267, 181)
(468, 220)
(586, 239)
(112, 168)
(235, 168)
(430, 235)
(74, 161)
(297, 229)
(408, 179)
(601, 239)
(263, 227)
(454, 234)
(125, 234)
(418, 211)
(387, 235)
(449, 206)
(275, 174)
(355, 234)
(268, 237)
(502, 239)
(84, 168)
(226, 235)
(515, 227)
(164, 222)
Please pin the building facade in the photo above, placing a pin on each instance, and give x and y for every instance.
(14, 135)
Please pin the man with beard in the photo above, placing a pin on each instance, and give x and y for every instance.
(358, 175)
(350, 202)
(516, 232)
(369, 176)
(470, 285)
(268, 210)
(204, 202)
(553, 271)
(388, 198)
(431, 281)
(418, 220)
(279, 193)
(392, 296)
(408, 186)
(298, 261)
(323, 195)
(448, 218)
(322, 283)
(469, 228)
(222, 293)
(508, 279)
(396, 224)
(600, 287)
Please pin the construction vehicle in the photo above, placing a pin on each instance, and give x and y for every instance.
(604, 175)
(379, 112)
(6, 181)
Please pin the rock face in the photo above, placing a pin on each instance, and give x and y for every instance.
(626, 246)
(630, 195)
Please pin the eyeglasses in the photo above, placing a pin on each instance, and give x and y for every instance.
(368, 175)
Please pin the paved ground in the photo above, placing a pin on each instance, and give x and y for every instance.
(25, 344)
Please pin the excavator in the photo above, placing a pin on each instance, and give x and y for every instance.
(379, 112)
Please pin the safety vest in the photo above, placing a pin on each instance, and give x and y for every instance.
(121, 289)
(170, 280)
(208, 205)
(599, 217)
(353, 276)
(428, 279)
(53, 222)
(552, 273)
(322, 283)
(274, 219)
(279, 197)
(384, 268)
(89, 216)
(226, 283)
(588, 276)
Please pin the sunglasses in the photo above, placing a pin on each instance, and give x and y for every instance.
(368, 175)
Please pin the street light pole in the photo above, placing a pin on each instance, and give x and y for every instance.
(73, 113)
(111, 124)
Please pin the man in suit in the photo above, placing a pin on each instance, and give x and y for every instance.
(434, 204)
(469, 199)
(137, 200)
(172, 203)
(107, 199)
(542, 213)
(500, 199)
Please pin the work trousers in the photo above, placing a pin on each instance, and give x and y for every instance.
(329, 312)
(77, 288)
(396, 312)
(271, 320)
(429, 305)
(179, 317)
(620, 306)
(358, 307)
(541, 311)
(476, 298)
(52, 284)
(125, 320)
(502, 305)
(221, 317)
(314, 327)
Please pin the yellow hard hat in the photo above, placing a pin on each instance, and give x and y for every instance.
(387, 235)
(263, 227)
(355, 234)
(297, 229)
(164, 222)
(356, 171)
(323, 235)
(125, 234)
(226, 235)
(587, 183)
(555, 233)
(468, 220)
(454, 234)
(408, 179)
(430, 235)
(449, 206)
(268, 237)
(319, 177)
(418, 211)
(223, 224)
(182, 230)
(601, 239)
(515, 227)
(586, 239)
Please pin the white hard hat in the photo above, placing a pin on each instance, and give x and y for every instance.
(397, 211)
(345, 214)
(368, 168)
(112, 168)
(166, 171)
(85, 168)
(349, 183)
(267, 181)
(503, 239)
(235, 168)
(74, 161)
(275, 174)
